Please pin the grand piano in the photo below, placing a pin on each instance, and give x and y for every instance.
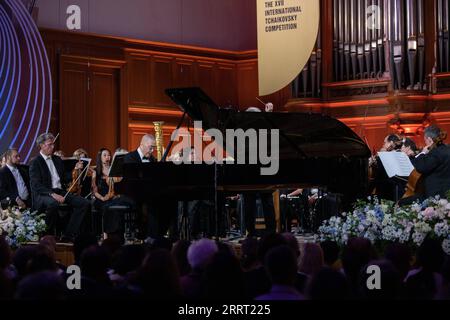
(314, 151)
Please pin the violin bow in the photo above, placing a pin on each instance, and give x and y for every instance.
(76, 180)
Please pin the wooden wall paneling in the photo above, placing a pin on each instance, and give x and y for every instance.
(138, 130)
(124, 108)
(73, 129)
(372, 131)
(161, 79)
(139, 79)
(183, 72)
(135, 134)
(104, 109)
(226, 86)
(52, 58)
(374, 136)
(91, 104)
(247, 84)
(205, 77)
(442, 119)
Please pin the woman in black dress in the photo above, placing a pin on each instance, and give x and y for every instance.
(105, 195)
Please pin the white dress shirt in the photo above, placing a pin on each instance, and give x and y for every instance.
(56, 180)
(141, 154)
(21, 186)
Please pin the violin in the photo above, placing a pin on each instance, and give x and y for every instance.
(77, 181)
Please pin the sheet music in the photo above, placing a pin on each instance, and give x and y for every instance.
(114, 163)
(87, 163)
(396, 164)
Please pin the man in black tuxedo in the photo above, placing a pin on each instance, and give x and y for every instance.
(161, 211)
(47, 187)
(434, 163)
(14, 181)
(142, 154)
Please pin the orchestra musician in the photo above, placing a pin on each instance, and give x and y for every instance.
(105, 195)
(387, 188)
(409, 148)
(433, 163)
(82, 185)
(14, 181)
(48, 182)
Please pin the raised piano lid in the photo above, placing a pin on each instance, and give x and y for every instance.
(302, 135)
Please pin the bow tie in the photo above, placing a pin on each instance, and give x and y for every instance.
(147, 158)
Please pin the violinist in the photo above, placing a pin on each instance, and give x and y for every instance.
(105, 196)
(433, 163)
(48, 190)
(387, 188)
(82, 185)
(409, 148)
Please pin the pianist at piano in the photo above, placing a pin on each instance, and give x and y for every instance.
(158, 211)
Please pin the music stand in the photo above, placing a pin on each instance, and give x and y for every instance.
(116, 169)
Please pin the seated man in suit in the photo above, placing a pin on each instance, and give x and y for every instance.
(14, 181)
(47, 186)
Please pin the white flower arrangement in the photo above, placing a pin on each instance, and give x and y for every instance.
(384, 221)
(20, 227)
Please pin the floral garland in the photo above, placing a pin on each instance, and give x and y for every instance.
(383, 221)
(20, 227)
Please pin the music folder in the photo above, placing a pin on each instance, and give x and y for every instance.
(396, 164)
(69, 165)
(116, 169)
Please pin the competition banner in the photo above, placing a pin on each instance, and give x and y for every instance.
(287, 32)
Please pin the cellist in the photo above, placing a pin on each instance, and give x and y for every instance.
(433, 163)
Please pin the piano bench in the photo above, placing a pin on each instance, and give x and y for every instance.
(129, 219)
